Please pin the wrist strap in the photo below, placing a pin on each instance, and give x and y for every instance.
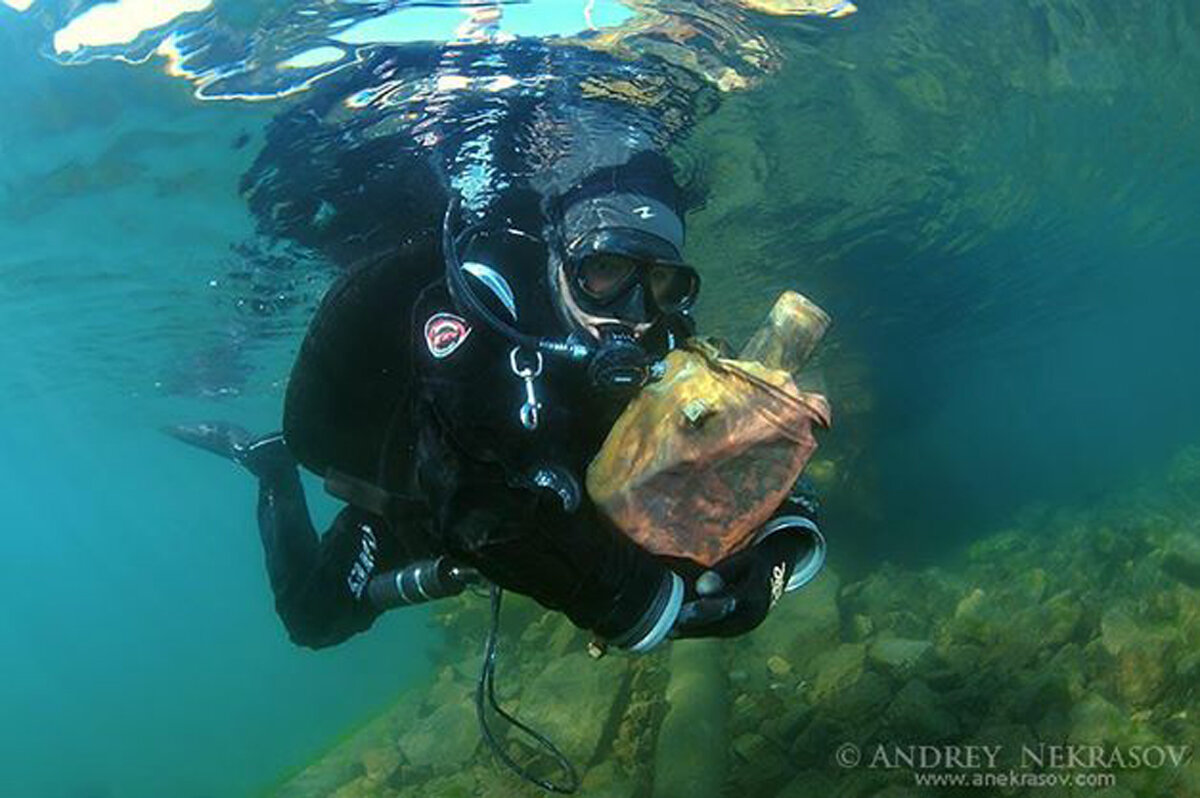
(811, 558)
(658, 620)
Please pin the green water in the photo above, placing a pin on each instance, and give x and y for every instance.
(996, 202)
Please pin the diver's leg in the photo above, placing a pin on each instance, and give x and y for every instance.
(319, 583)
(290, 543)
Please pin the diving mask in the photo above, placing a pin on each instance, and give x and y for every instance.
(629, 275)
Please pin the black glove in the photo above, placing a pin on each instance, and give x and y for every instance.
(735, 596)
(737, 593)
(260, 456)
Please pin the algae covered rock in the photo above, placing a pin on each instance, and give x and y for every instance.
(973, 618)
(690, 754)
(553, 635)
(861, 627)
(455, 684)
(1083, 629)
(896, 603)
(748, 710)
(807, 784)
(1143, 672)
(918, 713)
(1181, 559)
(1062, 618)
(606, 780)
(1141, 656)
(573, 699)
(900, 658)
(1096, 721)
(322, 778)
(767, 766)
(1035, 694)
(783, 727)
(1011, 737)
(462, 784)
(444, 739)
(779, 667)
(1118, 630)
(861, 702)
(803, 624)
(815, 745)
(838, 670)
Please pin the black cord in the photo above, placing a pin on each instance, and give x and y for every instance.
(470, 304)
(457, 283)
(486, 685)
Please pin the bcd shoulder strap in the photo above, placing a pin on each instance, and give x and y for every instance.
(372, 498)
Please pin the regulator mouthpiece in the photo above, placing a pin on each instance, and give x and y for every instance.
(619, 363)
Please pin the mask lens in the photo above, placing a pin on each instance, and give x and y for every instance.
(603, 276)
(673, 287)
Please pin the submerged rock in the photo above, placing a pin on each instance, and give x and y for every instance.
(1039, 693)
(815, 745)
(1010, 737)
(900, 658)
(838, 670)
(767, 767)
(779, 667)
(454, 685)
(783, 727)
(896, 603)
(444, 739)
(803, 624)
(1143, 671)
(455, 785)
(606, 780)
(572, 701)
(1097, 721)
(690, 758)
(807, 784)
(1181, 559)
(322, 778)
(1063, 615)
(861, 627)
(1118, 630)
(1141, 661)
(917, 713)
(553, 635)
(972, 618)
(1083, 628)
(860, 703)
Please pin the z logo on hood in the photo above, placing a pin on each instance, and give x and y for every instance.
(444, 333)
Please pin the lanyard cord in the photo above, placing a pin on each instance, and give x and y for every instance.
(486, 686)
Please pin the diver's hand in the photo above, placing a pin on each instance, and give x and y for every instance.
(736, 595)
(257, 455)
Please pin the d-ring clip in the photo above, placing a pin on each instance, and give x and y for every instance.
(529, 410)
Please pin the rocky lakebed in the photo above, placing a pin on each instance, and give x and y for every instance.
(1064, 646)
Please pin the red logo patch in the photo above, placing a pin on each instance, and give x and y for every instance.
(444, 333)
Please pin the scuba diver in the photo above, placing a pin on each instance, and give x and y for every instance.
(459, 440)
(514, 276)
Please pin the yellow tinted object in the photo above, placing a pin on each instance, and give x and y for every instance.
(703, 457)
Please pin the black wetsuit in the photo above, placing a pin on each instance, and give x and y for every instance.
(370, 404)
(462, 476)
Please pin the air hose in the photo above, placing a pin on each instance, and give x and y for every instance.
(486, 689)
